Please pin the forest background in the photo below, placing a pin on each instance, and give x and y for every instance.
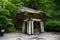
(51, 7)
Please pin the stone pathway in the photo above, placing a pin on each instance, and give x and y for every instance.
(20, 36)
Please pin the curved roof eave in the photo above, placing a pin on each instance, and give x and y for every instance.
(23, 9)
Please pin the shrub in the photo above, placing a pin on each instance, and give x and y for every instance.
(5, 21)
(10, 29)
(53, 25)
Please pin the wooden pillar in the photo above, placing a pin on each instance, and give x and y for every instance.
(42, 26)
(29, 27)
(32, 27)
(23, 27)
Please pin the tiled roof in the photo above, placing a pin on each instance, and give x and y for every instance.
(23, 9)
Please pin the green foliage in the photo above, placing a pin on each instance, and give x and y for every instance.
(17, 2)
(11, 29)
(4, 12)
(4, 20)
(11, 7)
(53, 25)
(6, 15)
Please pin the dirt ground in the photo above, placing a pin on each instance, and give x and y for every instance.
(20, 36)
